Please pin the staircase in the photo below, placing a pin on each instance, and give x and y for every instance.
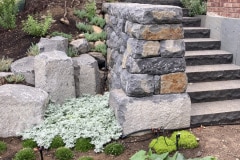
(214, 82)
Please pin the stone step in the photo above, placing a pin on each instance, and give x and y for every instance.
(206, 57)
(196, 32)
(157, 2)
(191, 22)
(206, 73)
(214, 91)
(185, 12)
(212, 113)
(194, 44)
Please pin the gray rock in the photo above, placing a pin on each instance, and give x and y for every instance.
(172, 48)
(22, 107)
(137, 85)
(117, 24)
(170, 111)
(25, 67)
(156, 65)
(54, 74)
(55, 43)
(99, 57)
(86, 73)
(156, 84)
(81, 45)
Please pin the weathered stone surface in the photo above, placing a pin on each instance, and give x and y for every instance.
(22, 107)
(154, 31)
(137, 85)
(81, 45)
(55, 43)
(25, 67)
(173, 83)
(117, 24)
(156, 84)
(99, 57)
(117, 41)
(170, 111)
(172, 48)
(54, 74)
(2, 77)
(141, 49)
(156, 65)
(86, 73)
(144, 13)
(97, 29)
(159, 2)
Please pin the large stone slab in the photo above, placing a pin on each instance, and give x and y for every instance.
(170, 111)
(25, 67)
(54, 74)
(22, 107)
(55, 43)
(172, 48)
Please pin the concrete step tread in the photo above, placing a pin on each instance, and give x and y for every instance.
(213, 86)
(206, 52)
(195, 28)
(215, 107)
(210, 68)
(188, 40)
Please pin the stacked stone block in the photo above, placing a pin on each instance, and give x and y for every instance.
(147, 66)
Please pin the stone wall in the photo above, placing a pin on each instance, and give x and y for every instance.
(147, 66)
(158, 2)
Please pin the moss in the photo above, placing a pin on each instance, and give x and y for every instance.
(161, 145)
(187, 139)
(83, 145)
(25, 154)
(29, 143)
(63, 153)
(3, 147)
(57, 142)
(114, 149)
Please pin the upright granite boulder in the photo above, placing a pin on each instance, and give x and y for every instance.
(54, 73)
(55, 43)
(22, 107)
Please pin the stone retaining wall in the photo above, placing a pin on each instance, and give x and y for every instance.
(147, 66)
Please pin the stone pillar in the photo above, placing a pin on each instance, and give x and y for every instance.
(147, 66)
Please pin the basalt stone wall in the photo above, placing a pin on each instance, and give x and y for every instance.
(158, 2)
(147, 66)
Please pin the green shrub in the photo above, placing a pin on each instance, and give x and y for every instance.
(8, 12)
(100, 48)
(162, 145)
(57, 142)
(3, 147)
(5, 64)
(25, 154)
(187, 139)
(98, 21)
(114, 149)
(91, 8)
(68, 36)
(196, 7)
(16, 78)
(84, 28)
(29, 143)
(80, 14)
(83, 145)
(96, 36)
(86, 158)
(37, 28)
(63, 153)
(33, 50)
(72, 52)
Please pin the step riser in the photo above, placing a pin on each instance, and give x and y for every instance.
(191, 22)
(209, 96)
(196, 33)
(213, 76)
(208, 45)
(207, 60)
(185, 12)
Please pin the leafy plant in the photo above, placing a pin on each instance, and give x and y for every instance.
(16, 78)
(3, 147)
(98, 21)
(162, 145)
(63, 153)
(5, 64)
(86, 158)
(65, 35)
(80, 14)
(57, 142)
(29, 143)
(96, 36)
(72, 52)
(33, 50)
(83, 145)
(91, 8)
(35, 27)
(196, 7)
(114, 149)
(8, 12)
(100, 48)
(25, 154)
(84, 28)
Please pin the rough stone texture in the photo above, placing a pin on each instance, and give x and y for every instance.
(170, 111)
(97, 29)
(99, 57)
(3, 75)
(118, 41)
(158, 2)
(116, 23)
(172, 48)
(156, 65)
(144, 13)
(156, 84)
(154, 31)
(54, 74)
(25, 67)
(81, 45)
(137, 85)
(173, 83)
(86, 73)
(196, 32)
(55, 43)
(191, 22)
(193, 44)
(22, 107)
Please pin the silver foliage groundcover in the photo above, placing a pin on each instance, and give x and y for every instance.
(86, 117)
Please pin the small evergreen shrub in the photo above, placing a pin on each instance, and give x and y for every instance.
(5, 64)
(57, 142)
(63, 153)
(162, 145)
(29, 143)
(96, 36)
(25, 154)
(72, 52)
(8, 12)
(84, 28)
(35, 27)
(83, 145)
(91, 8)
(86, 158)
(68, 36)
(101, 48)
(3, 147)
(80, 14)
(114, 149)
(98, 21)
(16, 78)
(33, 50)
(196, 7)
